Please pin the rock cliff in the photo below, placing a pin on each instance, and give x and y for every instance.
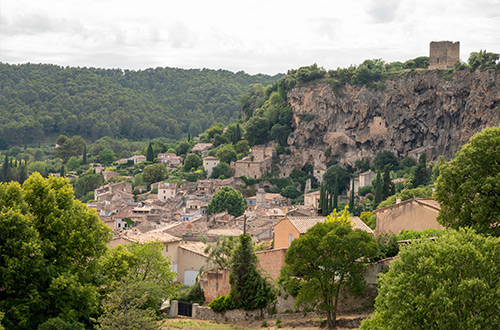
(437, 110)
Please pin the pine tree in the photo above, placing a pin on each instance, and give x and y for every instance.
(149, 153)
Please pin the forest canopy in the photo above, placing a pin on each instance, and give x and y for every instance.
(37, 100)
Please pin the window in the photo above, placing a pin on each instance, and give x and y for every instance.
(166, 248)
(290, 239)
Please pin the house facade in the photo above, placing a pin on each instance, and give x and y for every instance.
(414, 214)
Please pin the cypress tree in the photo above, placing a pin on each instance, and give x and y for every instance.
(351, 198)
(6, 169)
(84, 158)
(336, 194)
(249, 290)
(237, 134)
(387, 183)
(378, 190)
(422, 175)
(61, 173)
(189, 137)
(149, 153)
(322, 196)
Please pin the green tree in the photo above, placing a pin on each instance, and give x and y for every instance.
(468, 187)
(422, 173)
(107, 156)
(192, 162)
(385, 158)
(123, 309)
(387, 186)
(378, 190)
(290, 191)
(483, 60)
(226, 153)
(249, 290)
(462, 291)
(73, 163)
(339, 174)
(223, 170)
(257, 130)
(241, 147)
(84, 158)
(327, 258)
(149, 153)
(87, 183)
(228, 199)
(51, 244)
(154, 173)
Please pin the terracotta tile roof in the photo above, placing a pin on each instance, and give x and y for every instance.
(304, 223)
(151, 237)
(422, 201)
(195, 247)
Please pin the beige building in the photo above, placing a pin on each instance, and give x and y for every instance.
(114, 191)
(312, 199)
(414, 214)
(292, 227)
(255, 165)
(364, 179)
(209, 163)
(187, 258)
(167, 190)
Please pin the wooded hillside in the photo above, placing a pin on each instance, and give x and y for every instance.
(40, 99)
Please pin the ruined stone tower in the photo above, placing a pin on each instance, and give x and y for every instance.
(443, 54)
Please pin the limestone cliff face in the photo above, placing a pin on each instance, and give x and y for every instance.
(430, 109)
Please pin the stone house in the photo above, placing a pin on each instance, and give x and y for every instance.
(167, 190)
(202, 148)
(187, 258)
(291, 228)
(114, 191)
(205, 188)
(414, 214)
(109, 174)
(169, 159)
(363, 179)
(138, 159)
(416, 153)
(312, 199)
(255, 165)
(209, 163)
(318, 172)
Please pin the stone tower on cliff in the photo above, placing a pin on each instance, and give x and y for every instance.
(444, 54)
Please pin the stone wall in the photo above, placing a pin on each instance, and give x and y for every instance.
(271, 262)
(235, 315)
(214, 284)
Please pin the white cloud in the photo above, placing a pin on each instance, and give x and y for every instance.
(257, 36)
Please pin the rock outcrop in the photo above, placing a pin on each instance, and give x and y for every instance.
(437, 110)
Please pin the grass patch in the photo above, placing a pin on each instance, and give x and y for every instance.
(188, 324)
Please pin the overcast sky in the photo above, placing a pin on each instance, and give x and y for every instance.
(255, 36)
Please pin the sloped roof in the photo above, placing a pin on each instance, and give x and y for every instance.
(422, 201)
(304, 223)
(162, 237)
(194, 247)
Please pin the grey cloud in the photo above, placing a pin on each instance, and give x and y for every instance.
(179, 35)
(34, 23)
(383, 11)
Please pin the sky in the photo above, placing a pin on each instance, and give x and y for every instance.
(256, 36)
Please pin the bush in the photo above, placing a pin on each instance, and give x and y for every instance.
(387, 245)
(362, 191)
(222, 303)
(193, 294)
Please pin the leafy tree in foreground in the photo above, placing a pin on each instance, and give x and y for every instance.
(329, 257)
(468, 188)
(49, 250)
(450, 283)
(228, 199)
